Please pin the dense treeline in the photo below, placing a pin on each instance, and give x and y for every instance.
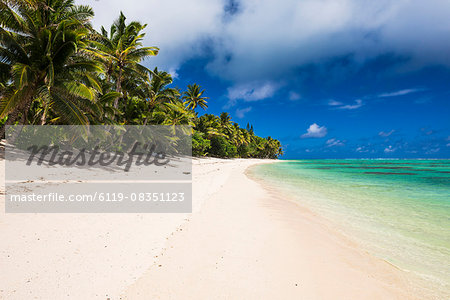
(56, 69)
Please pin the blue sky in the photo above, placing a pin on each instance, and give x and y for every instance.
(329, 78)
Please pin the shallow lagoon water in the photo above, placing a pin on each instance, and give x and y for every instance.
(398, 210)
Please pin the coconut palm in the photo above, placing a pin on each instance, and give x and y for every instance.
(121, 52)
(226, 126)
(238, 136)
(39, 40)
(193, 97)
(55, 69)
(176, 114)
(158, 91)
(209, 125)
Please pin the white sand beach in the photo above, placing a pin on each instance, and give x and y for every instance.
(240, 242)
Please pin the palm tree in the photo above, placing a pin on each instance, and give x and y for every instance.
(39, 43)
(158, 91)
(121, 52)
(226, 126)
(193, 97)
(209, 125)
(238, 136)
(176, 114)
(225, 118)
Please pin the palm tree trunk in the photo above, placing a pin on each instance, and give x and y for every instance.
(44, 114)
(118, 87)
(43, 117)
(12, 117)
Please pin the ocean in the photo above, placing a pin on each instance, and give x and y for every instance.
(397, 210)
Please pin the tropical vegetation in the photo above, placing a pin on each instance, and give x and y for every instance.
(55, 68)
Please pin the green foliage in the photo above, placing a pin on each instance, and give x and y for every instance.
(200, 145)
(220, 147)
(56, 69)
(229, 140)
(40, 53)
(193, 97)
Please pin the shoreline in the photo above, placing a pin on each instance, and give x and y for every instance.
(422, 292)
(240, 242)
(280, 250)
(424, 285)
(91, 256)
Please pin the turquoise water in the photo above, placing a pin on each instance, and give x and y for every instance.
(398, 210)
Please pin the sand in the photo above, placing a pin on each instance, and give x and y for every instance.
(240, 242)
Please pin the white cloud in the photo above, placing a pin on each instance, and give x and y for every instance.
(175, 26)
(268, 39)
(362, 149)
(426, 131)
(434, 150)
(339, 105)
(251, 92)
(334, 142)
(240, 112)
(173, 72)
(399, 93)
(315, 131)
(386, 134)
(293, 96)
(389, 149)
(358, 104)
(334, 103)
